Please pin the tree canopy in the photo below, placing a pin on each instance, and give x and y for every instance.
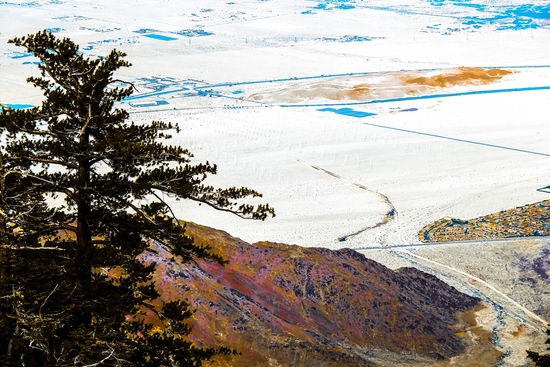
(82, 194)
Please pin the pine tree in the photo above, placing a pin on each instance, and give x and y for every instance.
(60, 302)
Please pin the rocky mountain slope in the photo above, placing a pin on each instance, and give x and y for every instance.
(292, 306)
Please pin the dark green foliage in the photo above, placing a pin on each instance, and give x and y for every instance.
(59, 304)
(542, 360)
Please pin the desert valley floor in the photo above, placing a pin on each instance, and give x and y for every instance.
(360, 121)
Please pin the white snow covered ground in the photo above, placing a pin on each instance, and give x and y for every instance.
(262, 89)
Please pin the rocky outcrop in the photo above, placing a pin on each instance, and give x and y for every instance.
(293, 306)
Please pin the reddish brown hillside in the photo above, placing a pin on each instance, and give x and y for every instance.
(294, 306)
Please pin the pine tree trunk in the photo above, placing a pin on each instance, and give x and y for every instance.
(83, 235)
(83, 232)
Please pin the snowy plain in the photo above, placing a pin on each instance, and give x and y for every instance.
(254, 86)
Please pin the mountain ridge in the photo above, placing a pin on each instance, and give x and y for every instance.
(288, 305)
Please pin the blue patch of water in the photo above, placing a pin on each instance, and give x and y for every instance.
(533, 11)
(409, 109)
(507, 17)
(466, 3)
(237, 92)
(344, 6)
(17, 106)
(490, 13)
(522, 17)
(347, 112)
(33, 63)
(54, 30)
(160, 37)
(332, 5)
(193, 33)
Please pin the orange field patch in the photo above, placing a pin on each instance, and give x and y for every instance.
(462, 76)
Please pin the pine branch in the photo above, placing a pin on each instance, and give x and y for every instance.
(112, 352)
(167, 206)
(46, 300)
(12, 247)
(64, 227)
(52, 161)
(218, 208)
